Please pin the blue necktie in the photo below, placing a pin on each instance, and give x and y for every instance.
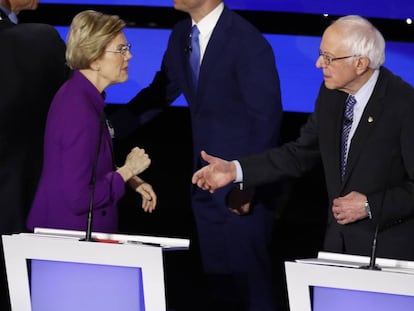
(194, 55)
(346, 127)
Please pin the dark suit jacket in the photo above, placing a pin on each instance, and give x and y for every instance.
(32, 62)
(236, 111)
(380, 165)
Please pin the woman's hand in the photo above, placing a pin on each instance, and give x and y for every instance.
(149, 198)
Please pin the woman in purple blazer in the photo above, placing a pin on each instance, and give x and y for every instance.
(78, 162)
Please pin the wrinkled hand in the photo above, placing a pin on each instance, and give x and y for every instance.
(216, 174)
(149, 198)
(349, 208)
(137, 161)
(239, 201)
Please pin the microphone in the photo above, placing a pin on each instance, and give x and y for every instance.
(188, 49)
(372, 265)
(88, 233)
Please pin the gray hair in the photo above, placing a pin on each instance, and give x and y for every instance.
(362, 38)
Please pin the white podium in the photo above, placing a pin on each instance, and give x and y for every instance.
(336, 282)
(53, 270)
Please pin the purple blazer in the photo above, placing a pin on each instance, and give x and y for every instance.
(62, 200)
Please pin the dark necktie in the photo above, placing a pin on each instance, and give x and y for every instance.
(346, 127)
(194, 55)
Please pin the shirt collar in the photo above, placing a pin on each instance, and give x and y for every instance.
(208, 22)
(11, 15)
(364, 93)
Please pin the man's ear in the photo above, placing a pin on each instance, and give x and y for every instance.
(362, 64)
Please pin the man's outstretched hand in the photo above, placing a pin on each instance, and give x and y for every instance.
(218, 173)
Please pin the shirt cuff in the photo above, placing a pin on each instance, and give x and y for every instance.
(368, 209)
(239, 174)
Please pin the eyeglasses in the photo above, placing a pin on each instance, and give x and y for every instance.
(123, 50)
(329, 59)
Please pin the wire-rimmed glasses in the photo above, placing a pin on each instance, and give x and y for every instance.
(329, 59)
(123, 50)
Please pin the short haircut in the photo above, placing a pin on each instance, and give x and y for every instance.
(89, 34)
(362, 38)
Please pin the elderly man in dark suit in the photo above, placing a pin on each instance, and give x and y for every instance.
(362, 130)
(235, 106)
(32, 60)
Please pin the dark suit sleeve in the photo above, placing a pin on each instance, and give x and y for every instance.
(396, 175)
(146, 104)
(46, 76)
(33, 69)
(149, 101)
(258, 82)
(291, 160)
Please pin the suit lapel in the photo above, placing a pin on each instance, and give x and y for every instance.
(214, 49)
(331, 128)
(182, 49)
(370, 116)
(338, 137)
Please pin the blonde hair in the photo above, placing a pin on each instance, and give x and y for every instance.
(89, 34)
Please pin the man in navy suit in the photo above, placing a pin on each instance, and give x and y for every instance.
(235, 111)
(376, 190)
(32, 58)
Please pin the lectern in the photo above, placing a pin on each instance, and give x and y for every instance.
(337, 282)
(53, 270)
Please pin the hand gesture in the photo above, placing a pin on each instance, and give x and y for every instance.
(218, 173)
(239, 201)
(349, 208)
(149, 198)
(137, 161)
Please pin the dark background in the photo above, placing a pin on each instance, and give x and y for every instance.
(167, 139)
